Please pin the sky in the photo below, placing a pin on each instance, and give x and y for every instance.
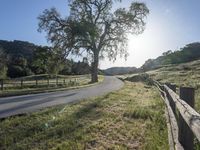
(171, 25)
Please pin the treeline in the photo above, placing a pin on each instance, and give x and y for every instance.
(120, 70)
(19, 58)
(188, 53)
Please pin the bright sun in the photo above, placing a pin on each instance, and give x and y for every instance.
(141, 47)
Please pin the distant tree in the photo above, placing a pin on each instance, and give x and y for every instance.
(81, 67)
(3, 64)
(93, 26)
(48, 60)
(190, 52)
(167, 53)
(149, 64)
(67, 67)
(18, 57)
(18, 66)
(85, 60)
(41, 58)
(57, 62)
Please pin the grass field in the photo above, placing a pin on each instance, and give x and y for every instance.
(45, 80)
(130, 118)
(187, 74)
(14, 87)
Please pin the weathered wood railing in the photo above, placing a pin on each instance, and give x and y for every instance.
(37, 82)
(182, 120)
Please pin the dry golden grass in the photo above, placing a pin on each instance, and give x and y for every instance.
(130, 118)
(186, 74)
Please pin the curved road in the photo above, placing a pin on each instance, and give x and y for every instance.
(28, 103)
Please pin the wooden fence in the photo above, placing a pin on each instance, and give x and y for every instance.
(183, 121)
(18, 83)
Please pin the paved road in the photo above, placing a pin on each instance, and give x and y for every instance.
(28, 103)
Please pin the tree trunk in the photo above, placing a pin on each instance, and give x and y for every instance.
(94, 70)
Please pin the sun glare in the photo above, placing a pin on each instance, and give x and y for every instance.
(141, 47)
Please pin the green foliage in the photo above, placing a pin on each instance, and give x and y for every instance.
(95, 28)
(16, 71)
(41, 58)
(120, 70)
(97, 123)
(19, 59)
(188, 53)
(3, 71)
(3, 65)
(18, 48)
(80, 68)
(143, 77)
(139, 113)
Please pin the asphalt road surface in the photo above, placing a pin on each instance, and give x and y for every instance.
(10, 106)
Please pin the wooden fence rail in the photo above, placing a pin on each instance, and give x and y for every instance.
(7, 84)
(183, 121)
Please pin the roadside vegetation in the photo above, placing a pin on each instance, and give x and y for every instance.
(185, 74)
(20, 58)
(130, 118)
(43, 83)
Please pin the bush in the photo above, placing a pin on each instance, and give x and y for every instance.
(141, 78)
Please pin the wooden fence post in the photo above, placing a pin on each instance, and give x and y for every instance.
(48, 81)
(56, 80)
(2, 85)
(36, 82)
(76, 82)
(70, 82)
(172, 104)
(173, 87)
(186, 137)
(21, 83)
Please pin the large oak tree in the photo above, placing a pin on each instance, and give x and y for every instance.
(95, 27)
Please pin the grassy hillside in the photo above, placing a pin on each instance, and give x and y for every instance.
(185, 74)
(188, 53)
(130, 118)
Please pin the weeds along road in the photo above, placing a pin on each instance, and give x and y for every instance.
(10, 106)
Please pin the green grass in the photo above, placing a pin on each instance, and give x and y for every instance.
(44, 80)
(130, 118)
(30, 87)
(186, 74)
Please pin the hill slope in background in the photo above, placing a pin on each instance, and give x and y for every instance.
(20, 55)
(20, 58)
(18, 48)
(188, 53)
(184, 74)
(120, 70)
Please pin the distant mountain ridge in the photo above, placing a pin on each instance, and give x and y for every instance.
(18, 48)
(120, 70)
(188, 53)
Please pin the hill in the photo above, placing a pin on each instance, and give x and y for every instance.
(16, 58)
(188, 53)
(184, 74)
(18, 48)
(20, 58)
(120, 70)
